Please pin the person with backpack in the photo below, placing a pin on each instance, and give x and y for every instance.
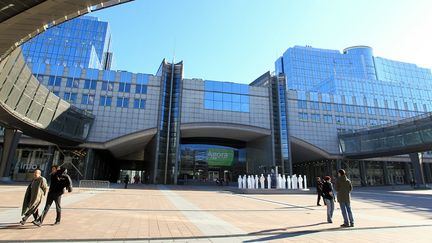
(60, 181)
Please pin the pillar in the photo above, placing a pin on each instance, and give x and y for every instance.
(363, 173)
(408, 177)
(417, 163)
(428, 172)
(10, 143)
(89, 165)
(387, 180)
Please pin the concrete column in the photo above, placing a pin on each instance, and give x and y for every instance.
(338, 164)
(387, 181)
(417, 162)
(428, 172)
(363, 173)
(89, 164)
(329, 168)
(10, 143)
(50, 158)
(408, 176)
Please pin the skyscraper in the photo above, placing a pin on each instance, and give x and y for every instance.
(82, 42)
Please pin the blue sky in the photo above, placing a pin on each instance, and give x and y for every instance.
(238, 40)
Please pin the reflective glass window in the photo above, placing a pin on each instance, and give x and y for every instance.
(90, 84)
(109, 75)
(326, 106)
(87, 99)
(315, 117)
(125, 77)
(141, 89)
(54, 81)
(107, 86)
(74, 72)
(142, 78)
(303, 116)
(122, 102)
(340, 120)
(302, 104)
(92, 74)
(124, 87)
(328, 118)
(139, 103)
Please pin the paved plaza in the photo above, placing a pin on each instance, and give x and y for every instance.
(213, 214)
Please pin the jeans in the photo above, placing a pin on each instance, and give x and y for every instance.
(330, 209)
(346, 213)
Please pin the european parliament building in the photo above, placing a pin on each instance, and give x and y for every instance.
(172, 130)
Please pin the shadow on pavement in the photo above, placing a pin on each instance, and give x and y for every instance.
(270, 234)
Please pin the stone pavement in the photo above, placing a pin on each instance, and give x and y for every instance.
(211, 214)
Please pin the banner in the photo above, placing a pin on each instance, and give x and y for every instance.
(220, 157)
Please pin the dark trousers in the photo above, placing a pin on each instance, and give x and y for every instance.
(319, 197)
(52, 197)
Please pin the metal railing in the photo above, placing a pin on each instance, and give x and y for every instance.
(93, 185)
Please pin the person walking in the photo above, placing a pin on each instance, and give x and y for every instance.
(126, 181)
(319, 190)
(328, 197)
(343, 189)
(60, 181)
(33, 196)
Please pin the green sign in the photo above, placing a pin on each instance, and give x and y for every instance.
(220, 157)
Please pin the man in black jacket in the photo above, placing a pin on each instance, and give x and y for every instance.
(59, 181)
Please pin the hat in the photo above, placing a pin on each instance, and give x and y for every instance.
(326, 178)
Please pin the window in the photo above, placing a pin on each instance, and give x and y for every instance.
(72, 83)
(328, 118)
(303, 116)
(89, 84)
(105, 101)
(361, 109)
(314, 105)
(71, 97)
(57, 93)
(349, 109)
(362, 122)
(302, 104)
(326, 106)
(54, 81)
(338, 107)
(122, 102)
(373, 122)
(107, 86)
(139, 104)
(371, 110)
(124, 87)
(340, 120)
(315, 117)
(87, 99)
(141, 89)
(351, 120)
(226, 101)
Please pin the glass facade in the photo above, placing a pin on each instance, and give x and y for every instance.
(207, 163)
(226, 96)
(81, 42)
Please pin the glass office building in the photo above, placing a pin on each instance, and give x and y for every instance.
(173, 130)
(332, 92)
(82, 42)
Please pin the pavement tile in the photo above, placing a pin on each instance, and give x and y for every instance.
(171, 214)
